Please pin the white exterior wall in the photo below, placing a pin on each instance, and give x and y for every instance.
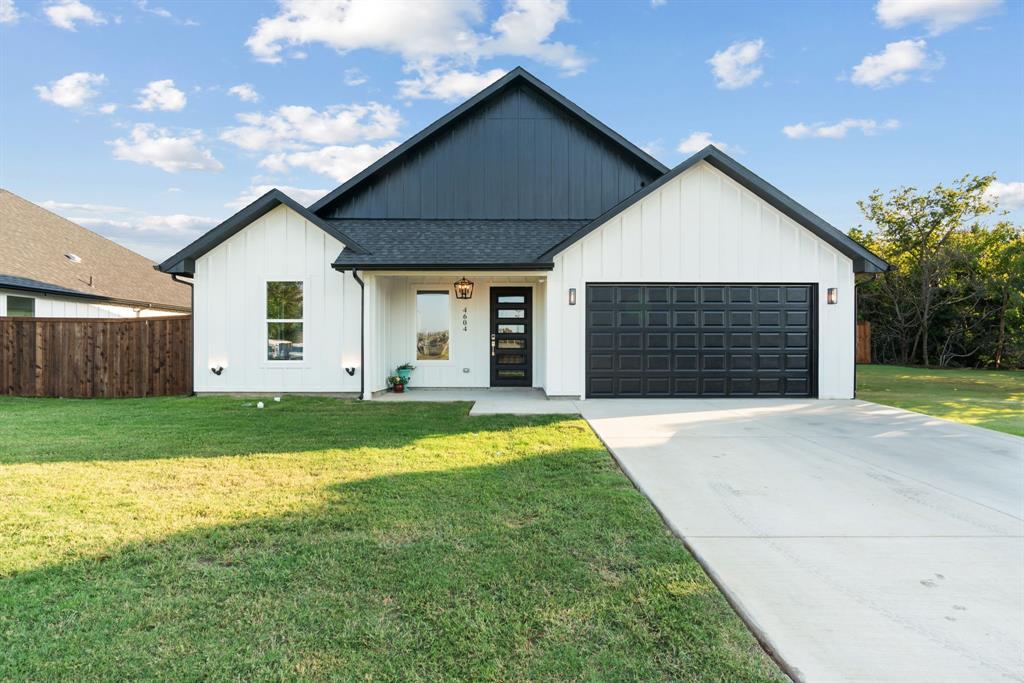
(469, 365)
(230, 310)
(53, 306)
(701, 226)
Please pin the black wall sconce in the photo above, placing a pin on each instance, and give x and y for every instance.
(350, 371)
(217, 370)
(832, 296)
(572, 296)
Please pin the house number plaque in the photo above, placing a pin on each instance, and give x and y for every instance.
(465, 319)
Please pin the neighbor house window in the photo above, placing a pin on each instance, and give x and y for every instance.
(284, 321)
(21, 306)
(433, 328)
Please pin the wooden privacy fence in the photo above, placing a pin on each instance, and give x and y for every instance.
(863, 342)
(96, 357)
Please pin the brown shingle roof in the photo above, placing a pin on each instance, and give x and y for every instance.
(34, 243)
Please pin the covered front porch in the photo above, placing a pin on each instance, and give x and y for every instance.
(487, 332)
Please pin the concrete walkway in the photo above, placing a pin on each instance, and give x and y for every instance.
(510, 401)
(862, 543)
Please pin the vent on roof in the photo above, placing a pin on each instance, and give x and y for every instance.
(74, 258)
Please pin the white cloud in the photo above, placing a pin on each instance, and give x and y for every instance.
(354, 77)
(1007, 195)
(431, 37)
(737, 65)
(149, 145)
(108, 108)
(9, 12)
(297, 127)
(451, 85)
(658, 3)
(838, 130)
(158, 11)
(698, 140)
(172, 224)
(74, 90)
(938, 16)
(65, 13)
(337, 161)
(56, 206)
(302, 195)
(161, 95)
(244, 92)
(895, 64)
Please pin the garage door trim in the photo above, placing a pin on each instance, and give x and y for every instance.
(813, 326)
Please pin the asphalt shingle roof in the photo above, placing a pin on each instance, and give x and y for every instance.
(36, 241)
(455, 242)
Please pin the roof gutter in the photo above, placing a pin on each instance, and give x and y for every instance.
(464, 267)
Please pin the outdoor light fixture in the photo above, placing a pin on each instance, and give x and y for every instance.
(217, 370)
(350, 371)
(463, 289)
(572, 296)
(832, 297)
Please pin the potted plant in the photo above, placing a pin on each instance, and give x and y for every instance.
(397, 383)
(405, 371)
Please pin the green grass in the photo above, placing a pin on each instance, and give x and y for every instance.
(203, 539)
(986, 398)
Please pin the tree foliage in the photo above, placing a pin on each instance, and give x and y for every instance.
(955, 295)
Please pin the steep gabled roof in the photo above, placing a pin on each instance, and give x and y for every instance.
(449, 120)
(863, 260)
(184, 262)
(47, 254)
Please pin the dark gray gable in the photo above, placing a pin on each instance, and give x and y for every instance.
(184, 262)
(863, 260)
(517, 151)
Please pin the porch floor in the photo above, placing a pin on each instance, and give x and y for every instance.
(505, 401)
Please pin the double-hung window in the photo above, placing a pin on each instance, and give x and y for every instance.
(284, 321)
(20, 306)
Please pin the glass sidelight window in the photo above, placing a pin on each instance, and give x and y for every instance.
(433, 325)
(285, 321)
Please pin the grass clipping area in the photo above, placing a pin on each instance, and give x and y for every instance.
(317, 539)
(987, 398)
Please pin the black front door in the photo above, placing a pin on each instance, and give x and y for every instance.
(511, 337)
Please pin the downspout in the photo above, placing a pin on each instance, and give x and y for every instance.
(362, 334)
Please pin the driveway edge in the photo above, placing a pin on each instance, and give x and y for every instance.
(759, 634)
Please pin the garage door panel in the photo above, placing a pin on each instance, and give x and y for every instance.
(699, 340)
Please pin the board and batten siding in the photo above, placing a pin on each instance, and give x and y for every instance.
(230, 310)
(469, 350)
(700, 227)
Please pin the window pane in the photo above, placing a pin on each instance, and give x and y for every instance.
(511, 299)
(509, 359)
(21, 306)
(511, 329)
(511, 373)
(511, 313)
(511, 343)
(433, 314)
(284, 300)
(284, 341)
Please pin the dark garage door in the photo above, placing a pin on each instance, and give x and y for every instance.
(700, 340)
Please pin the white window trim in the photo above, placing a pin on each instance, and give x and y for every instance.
(427, 287)
(284, 364)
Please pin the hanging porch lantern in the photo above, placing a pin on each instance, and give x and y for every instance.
(463, 289)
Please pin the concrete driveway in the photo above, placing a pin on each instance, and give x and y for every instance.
(862, 543)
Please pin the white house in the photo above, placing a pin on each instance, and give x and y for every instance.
(518, 241)
(53, 268)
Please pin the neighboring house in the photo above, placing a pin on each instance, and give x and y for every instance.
(594, 270)
(53, 268)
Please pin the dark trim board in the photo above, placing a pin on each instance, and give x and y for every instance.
(183, 262)
(863, 260)
(462, 267)
(642, 372)
(516, 74)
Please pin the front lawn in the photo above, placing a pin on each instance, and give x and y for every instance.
(986, 398)
(316, 539)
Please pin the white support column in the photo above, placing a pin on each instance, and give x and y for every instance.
(369, 323)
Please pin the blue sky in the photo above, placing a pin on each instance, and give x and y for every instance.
(152, 121)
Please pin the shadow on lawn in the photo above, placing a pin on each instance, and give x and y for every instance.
(58, 430)
(548, 567)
